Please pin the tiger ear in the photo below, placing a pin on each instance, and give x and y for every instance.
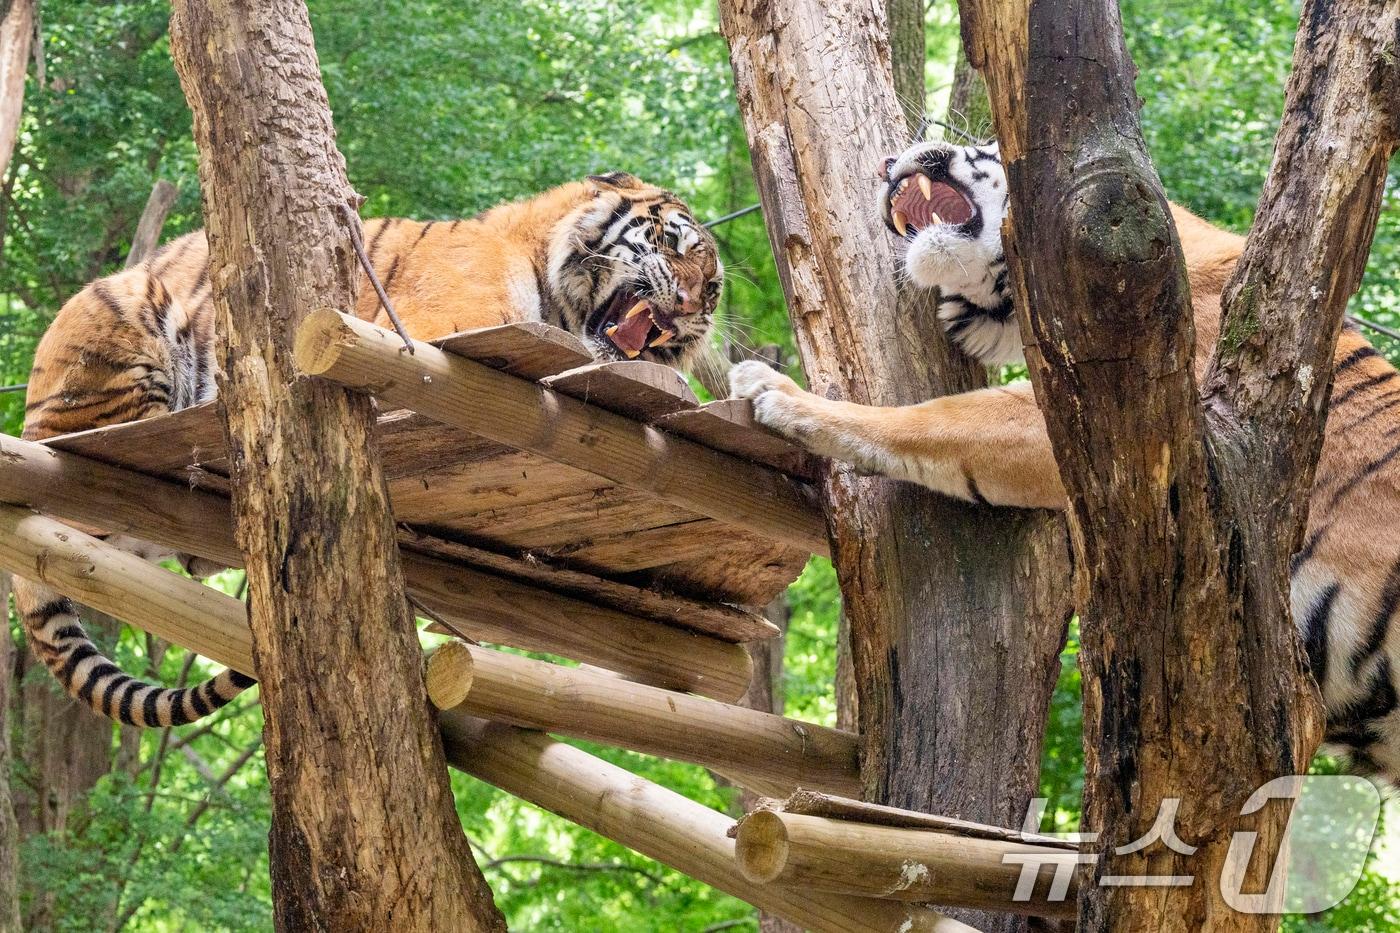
(614, 181)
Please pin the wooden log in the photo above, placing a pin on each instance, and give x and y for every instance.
(111, 580)
(639, 389)
(504, 611)
(528, 349)
(589, 705)
(488, 606)
(903, 864)
(174, 444)
(658, 823)
(470, 396)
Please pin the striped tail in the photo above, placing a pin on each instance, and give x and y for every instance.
(57, 638)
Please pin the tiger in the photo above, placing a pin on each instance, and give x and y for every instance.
(945, 203)
(619, 263)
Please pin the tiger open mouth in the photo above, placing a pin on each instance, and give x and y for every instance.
(917, 202)
(632, 324)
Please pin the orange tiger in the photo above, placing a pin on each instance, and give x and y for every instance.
(946, 203)
(618, 262)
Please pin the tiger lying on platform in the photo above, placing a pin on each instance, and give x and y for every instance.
(621, 264)
(947, 203)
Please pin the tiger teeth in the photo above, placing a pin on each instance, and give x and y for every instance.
(631, 354)
(935, 219)
(926, 187)
(665, 337)
(610, 330)
(901, 223)
(637, 309)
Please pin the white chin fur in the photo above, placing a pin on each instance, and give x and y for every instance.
(940, 258)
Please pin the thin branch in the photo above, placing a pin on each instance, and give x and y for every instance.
(352, 221)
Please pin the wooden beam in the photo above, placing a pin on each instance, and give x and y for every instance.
(658, 823)
(113, 581)
(504, 611)
(590, 705)
(920, 865)
(473, 397)
(490, 607)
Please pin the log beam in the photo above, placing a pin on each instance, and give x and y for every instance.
(486, 606)
(864, 859)
(528, 416)
(591, 705)
(658, 823)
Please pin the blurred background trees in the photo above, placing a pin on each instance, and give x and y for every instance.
(444, 109)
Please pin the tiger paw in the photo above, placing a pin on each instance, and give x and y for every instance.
(751, 379)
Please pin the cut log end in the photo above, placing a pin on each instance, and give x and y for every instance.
(450, 673)
(320, 339)
(761, 848)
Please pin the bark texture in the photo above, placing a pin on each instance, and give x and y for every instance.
(1183, 516)
(364, 833)
(9, 828)
(908, 49)
(956, 613)
(16, 38)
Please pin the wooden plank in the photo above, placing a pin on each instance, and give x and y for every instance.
(636, 388)
(186, 444)
(529, 349)
(721, 620)
(728, 425)
(588, 705)
(473, 397)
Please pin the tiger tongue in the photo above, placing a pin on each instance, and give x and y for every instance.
(630, 334)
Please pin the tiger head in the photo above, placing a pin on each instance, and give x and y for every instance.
(946, 204)
(633, 273)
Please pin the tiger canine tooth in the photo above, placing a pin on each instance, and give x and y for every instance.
(637, 309)
(901, 223)
(934, 218)
(610, 330)
(665, 337)
(631, 354)
(926, 187)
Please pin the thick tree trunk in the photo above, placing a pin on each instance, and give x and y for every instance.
(9, 828)
(16, 36)
(908, 50)
(364, 832)
(1195, 686)
(956, 613)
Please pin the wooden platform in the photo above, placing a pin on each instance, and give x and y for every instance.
(469, 500)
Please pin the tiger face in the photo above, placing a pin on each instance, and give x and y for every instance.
(946, 204)
(635, 275)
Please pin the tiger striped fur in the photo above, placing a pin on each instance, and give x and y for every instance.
(946, 204)
(618, 262)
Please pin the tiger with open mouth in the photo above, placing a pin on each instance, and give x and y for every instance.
(946, 204)
(620, 263)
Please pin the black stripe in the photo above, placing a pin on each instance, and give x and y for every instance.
(1390, 598)
(1354, 357)
(1384, 402)
(1353, 725)
(102, 670)
(201, 705)
(70, 631)
(972, 489)
(110, 689)
(179, 250)
(131, 685)
(393, 271)
(63, 606)
(1362, 386)
(103, 294)
(148, 708)
(453, 228)
(1315, 632)
(1372, 468)
(426, 227)
(78, 655)
(240, 680)
(374, 240)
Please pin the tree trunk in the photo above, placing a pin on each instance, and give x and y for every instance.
(9, 829)
(16, 36)
(956, 612)
(908, 50)
(1195, 686)
(968, 108)
(364, 831)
